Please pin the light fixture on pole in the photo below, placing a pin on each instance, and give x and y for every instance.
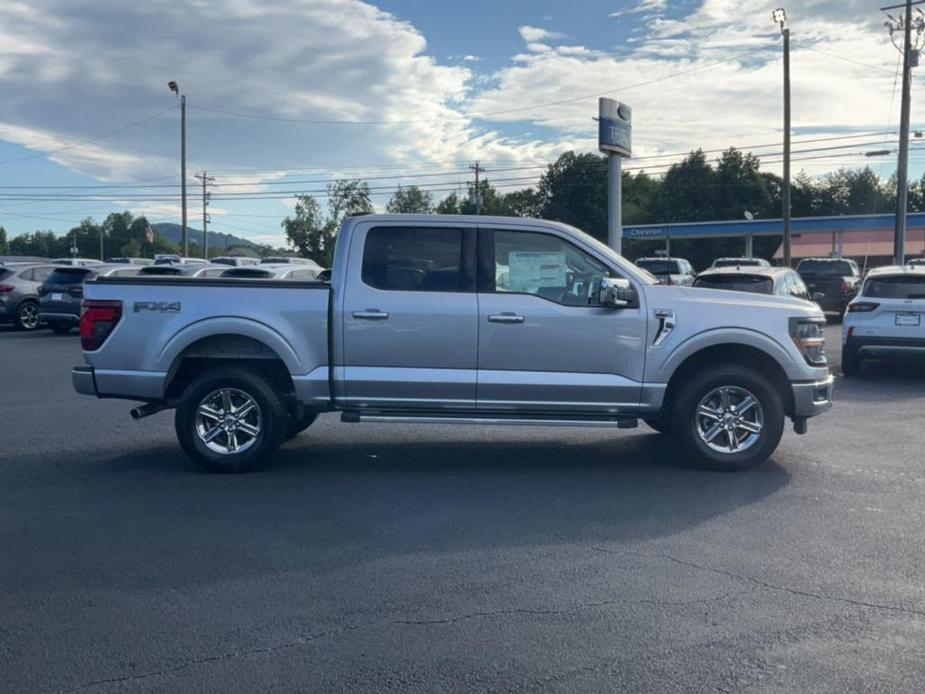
(184, 238)
(780, 18)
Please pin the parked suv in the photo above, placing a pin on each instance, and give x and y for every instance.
(833, 281)
(61, 294)
(884, 322)
(781, 281)
(19, 294)
(676, 271)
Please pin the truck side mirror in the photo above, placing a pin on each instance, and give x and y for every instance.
(617, 292)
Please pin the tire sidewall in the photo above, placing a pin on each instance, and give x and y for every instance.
(272, 414)
(684, 427)
(17, 318)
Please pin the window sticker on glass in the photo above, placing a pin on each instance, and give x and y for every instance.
(530, 271)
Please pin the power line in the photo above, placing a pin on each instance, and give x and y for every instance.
(42, 155)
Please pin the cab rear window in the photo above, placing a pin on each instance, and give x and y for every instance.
(895, 287)
(825, 267)
(737, 283)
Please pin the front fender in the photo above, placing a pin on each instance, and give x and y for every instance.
(662, 369)
(227, 325)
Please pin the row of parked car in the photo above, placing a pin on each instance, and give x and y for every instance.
(881, 310)
(33, 295)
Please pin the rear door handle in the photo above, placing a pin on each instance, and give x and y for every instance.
(371, 314)
(505, 318)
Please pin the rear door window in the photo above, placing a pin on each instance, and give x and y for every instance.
(414, 259)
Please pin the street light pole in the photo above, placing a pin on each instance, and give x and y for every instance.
(184, 238)
(780, 16)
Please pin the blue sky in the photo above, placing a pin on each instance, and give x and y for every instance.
(285, 95)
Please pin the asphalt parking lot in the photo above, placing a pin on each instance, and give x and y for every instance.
(371, 558)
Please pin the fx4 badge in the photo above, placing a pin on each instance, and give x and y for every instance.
(157, 306)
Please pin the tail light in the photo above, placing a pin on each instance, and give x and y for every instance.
(6, 288)
(76, 291)
(863, 306)
(97, 320)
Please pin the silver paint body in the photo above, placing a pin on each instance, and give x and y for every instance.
(445, 351)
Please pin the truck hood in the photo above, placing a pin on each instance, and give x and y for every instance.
(723, 302)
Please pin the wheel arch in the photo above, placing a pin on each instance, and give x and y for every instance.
(226, 349)
(732, 353)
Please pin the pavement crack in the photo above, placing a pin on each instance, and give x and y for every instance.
(767, 584)
(295, 643)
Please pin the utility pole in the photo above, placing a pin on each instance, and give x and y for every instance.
(206, 196)
(780, 16)
(910, 52)
(478, 191)
(184, 238)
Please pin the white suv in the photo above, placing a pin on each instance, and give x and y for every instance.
(884, 321)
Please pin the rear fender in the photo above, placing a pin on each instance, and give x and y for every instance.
(245, 327)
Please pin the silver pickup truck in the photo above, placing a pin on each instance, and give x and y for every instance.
(457, 319)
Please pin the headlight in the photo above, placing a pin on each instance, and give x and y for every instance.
(809, 337)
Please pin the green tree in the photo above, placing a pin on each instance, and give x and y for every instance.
(313, 233)
(523, 203)
(410, 200)
(4, 246)
(688, 191)
(740, 186)
(451, 204)
(574, 190)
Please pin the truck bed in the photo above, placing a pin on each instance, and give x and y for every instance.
(166, 318)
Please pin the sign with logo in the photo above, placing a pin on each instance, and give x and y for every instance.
(649, 233)
(615, 127)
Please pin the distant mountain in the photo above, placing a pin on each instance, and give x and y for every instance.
(174, 232)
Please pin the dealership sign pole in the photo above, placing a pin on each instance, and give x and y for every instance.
(614, 136)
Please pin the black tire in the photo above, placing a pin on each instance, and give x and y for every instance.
(661, 423)
(850, 363)
(61, 328)
(27, 316)
(270, 420)
(296, 425)
(684, 423)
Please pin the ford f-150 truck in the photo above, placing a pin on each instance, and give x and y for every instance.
(457, 319)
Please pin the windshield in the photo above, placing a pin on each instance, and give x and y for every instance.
(756, 284)
(825, 267)
(660, 267)
(896, 287)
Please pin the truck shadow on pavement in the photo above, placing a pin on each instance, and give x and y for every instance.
(336, 505)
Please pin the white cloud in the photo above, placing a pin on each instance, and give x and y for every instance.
(643, 6)
(532, 34)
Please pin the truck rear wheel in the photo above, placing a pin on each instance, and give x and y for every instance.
(229, 418)
(731, 417)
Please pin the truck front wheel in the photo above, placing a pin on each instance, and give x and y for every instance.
(730, 417)
(229, 418)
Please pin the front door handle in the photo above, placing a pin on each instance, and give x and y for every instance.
(505, 318)
(371, 314)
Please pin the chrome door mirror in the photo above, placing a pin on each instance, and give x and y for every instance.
(617, 292)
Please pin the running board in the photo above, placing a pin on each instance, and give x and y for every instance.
(614, 421)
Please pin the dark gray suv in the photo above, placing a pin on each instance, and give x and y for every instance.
(19, 293)
(61, 295)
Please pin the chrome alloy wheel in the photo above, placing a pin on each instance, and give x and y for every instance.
(29, 316)
(729, 419)
(228, 421)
